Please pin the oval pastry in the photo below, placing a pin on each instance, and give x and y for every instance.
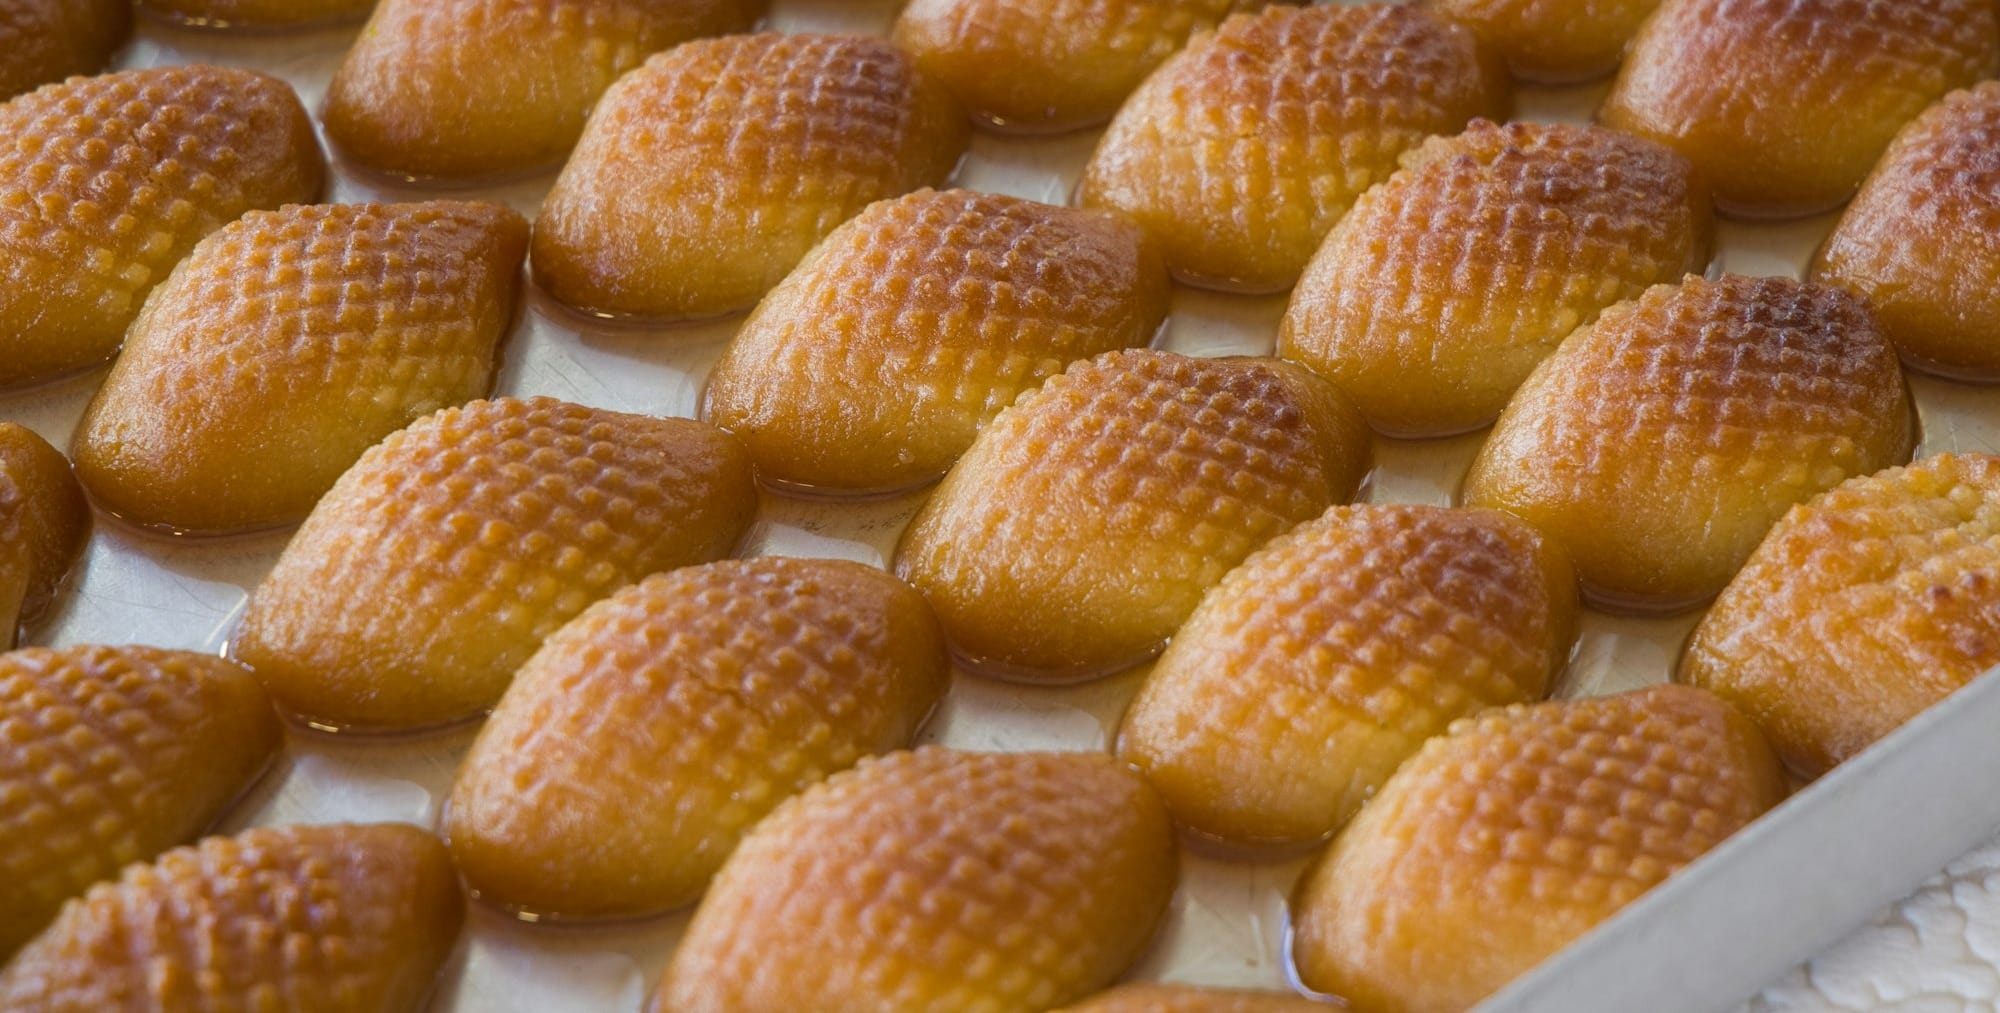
(107, 182)
(437, 564)
(1864, 606)
(264, 14)
(647, 736)
(1553, 41)
(1243, 150)
(44, 526)
(874, 364)
(1501, 842)
(1783, 105)
(704, 176)
(1193, 999)
(49, 40)
(441, 88)
(113, 755)
(1445, 286)
(1658, 445)
(934, 880)
(1331, 655)
(1921, 242)
(288, 343)
(1054, 65)
(1086, 522)
(309, 919)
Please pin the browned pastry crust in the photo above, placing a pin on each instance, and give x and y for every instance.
(48, 40)
(1553, 41)
(44, 526)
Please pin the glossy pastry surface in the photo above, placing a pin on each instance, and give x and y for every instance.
(44, 526)
(49, 40)
(258, 14)
(1193, 999)
(285, 345)
(874, 365)
(1553, 41)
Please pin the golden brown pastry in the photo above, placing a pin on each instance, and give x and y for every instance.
(1516, 833)
(437, 564)
(704, 176)
(1785, 104)
(114, 754)
(1243, 150)
(44, 526)
(1445, 286)
(642, 741)
(1320, 664)
(934, 880)
(288, 343)
(1192, 999)
(1052, 65)
(874, 364)
(1921, 242)
(469, 88)
(1866, 605)
(107, 182)
(48, 40)
(307, 919)
(264, 14)
(1658, 445)
(1553, 41)
(1087, 521)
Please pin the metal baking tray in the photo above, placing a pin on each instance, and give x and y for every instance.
(1771, 896)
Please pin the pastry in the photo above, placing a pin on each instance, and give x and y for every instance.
(48, 40)
(1658, 445)
(1240, 153)
(1087, 521)
(1783, 105)
(1921, 242)
(1866, 605)
(1320, 664)
(647, 736)
(307, 919)
(448, 88)
(44, 526)
(1053, 65)
(934, 880)
(1445, 286)
(1193, 999)
(285, 345)
(437, 564)
(113, 755)
(257, 14)
(107, 182)
(874, 364)
(705, 175)
(1501, 842)
(1553, 41)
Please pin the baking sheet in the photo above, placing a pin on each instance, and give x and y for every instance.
(1228, 921)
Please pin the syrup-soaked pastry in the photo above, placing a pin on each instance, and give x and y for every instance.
(704, 176)
(49, 40)
(1659, 445)
(1501, 842)
(1921, 242)
(934, 880)
(1445, 286)
(874, 364)
(265, 14)
(1087, 521)
(1148, 998)
(44, 526)
(107, 182)
(1864, 606)
(1553, 41)
(288, 343)
(438, 563)
(1055, 65)
(441, 88)
(647, 736)
(1330, 656)
(1243, 150)
(113, 755)
(1784, 105)
(307, 919)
